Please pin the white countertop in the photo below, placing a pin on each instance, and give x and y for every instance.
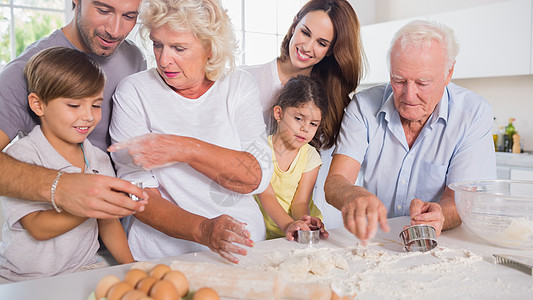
(451, 272)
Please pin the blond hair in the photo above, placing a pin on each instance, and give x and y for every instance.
(207, 20)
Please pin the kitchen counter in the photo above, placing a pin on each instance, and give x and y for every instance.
(461, 267)
(524, 160)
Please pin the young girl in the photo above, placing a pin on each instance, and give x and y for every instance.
(286, 204)
(65, 92)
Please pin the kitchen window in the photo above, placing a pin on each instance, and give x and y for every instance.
(259, 25)
(22, 22)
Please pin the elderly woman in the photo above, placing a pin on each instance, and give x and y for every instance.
(199, 128)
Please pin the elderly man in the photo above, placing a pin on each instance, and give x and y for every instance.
(411, 138)
(98, 28)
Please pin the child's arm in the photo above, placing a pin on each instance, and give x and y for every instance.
(300, 202)
(277, 213)
(48, 224)
(114, 239)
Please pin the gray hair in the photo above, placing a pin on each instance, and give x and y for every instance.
(207, 20)
(420, 33)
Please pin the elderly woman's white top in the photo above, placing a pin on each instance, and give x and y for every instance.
(227, 115)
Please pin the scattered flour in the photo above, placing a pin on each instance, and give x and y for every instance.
(374, 272)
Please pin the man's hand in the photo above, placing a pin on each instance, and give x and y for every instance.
(98, 196)
(220, 234)
(428, 213)
(362, 214)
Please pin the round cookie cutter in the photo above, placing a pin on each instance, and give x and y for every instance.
(138, 184)
(419, 238)
(309, 237)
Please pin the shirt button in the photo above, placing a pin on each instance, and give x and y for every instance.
(403, 181)
(399, 207)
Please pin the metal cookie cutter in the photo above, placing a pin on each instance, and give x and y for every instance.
(137, 184)
(419, 238)
(309, 237)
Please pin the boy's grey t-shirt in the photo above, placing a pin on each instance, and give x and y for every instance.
(21, 256)
(15, 114)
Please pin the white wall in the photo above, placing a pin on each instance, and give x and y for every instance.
(509, 96)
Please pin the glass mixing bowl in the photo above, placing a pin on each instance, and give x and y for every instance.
(498, 211)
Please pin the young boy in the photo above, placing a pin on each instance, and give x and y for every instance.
(65, 92)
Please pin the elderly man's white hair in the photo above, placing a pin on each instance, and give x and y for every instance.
(421, 33)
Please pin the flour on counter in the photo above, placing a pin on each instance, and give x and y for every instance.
(372, 271)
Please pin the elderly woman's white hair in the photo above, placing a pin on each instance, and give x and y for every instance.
(421, 33)
(207, 20)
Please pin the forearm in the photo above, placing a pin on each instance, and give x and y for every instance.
(274, 210)
(449, 210)
(338, 190)
(170, 219)
(114, 238)
(237, 171)
(298, 210)
(24, 181)
(48, 224)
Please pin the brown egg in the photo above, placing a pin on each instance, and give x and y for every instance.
(179, 281)
(334, 296)
(134, 295)
(146, 284)
(206, 293)
(104, 284)
(158, 271)
(134, 276)
(164, 290)
(118, 290)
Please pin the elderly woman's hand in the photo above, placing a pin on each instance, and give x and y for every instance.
(220, 234)
(154, 150)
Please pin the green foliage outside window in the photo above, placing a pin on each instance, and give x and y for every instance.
(30, 26)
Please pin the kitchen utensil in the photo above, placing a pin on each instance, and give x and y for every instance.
(521, 263)
(419, 238)
(138, 184)
(498, 211)
(309, 237)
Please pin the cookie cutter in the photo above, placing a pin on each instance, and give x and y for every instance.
(309, 237)
(419, 237)
(138, 184)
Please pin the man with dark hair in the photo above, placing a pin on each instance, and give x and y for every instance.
(99, 28)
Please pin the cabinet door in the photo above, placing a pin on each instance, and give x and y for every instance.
(376, 40)
(494, 39)
(521, 174)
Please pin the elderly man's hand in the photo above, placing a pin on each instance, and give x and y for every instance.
(362, 214)
(220, 234)
(98, 196)
(426, 213)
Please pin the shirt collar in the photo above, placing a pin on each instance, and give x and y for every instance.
(55, 160)
(389, 109)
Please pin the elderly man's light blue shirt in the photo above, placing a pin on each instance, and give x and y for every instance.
(454, 145)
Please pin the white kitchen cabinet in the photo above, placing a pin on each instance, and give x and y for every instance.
(495, 40)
